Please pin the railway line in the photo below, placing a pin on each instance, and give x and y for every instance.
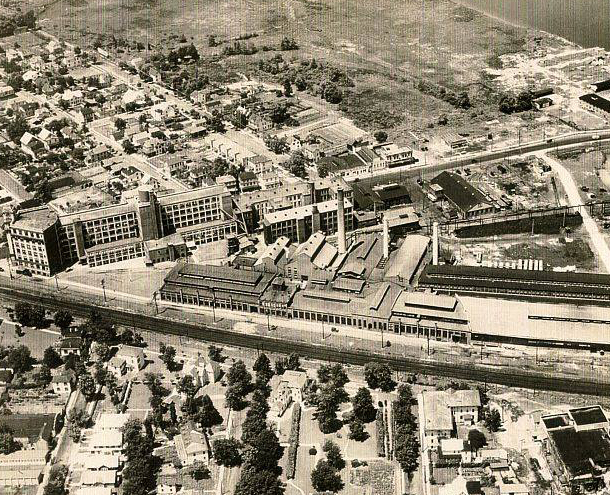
(514, 378)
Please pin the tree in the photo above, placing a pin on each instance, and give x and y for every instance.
(19, 359)
(51, 358)
(492, 419)
(62, 319)
(238, 376)
(406, 449)
(334, 373)
(253, 482)
(139, 474)
(332, 93)
(30, 316)
(234, 398)
(43, 375)
(226, 452)
(120, 124)
(199, 471)
(297, 164)
(100, 373)
(324, 478)
(128, 146)
(8, 444)
(379, 376)
(208, 415)
(17, 128)
(333, 455)
(262, 368)
(288, 44)
(476, 439)
(287, 88)
(357, 431)
(168, 355)
(362, 404)
(323, 170)
(215, 354)
(100, 351)
(381, 136)
(267, 451)
(187, 386)
(57, 480)
(86, 384)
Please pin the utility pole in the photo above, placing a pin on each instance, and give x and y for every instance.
(155, 301)
(104, 289)
(56, 282)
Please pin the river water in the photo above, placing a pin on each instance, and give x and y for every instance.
(586, 22)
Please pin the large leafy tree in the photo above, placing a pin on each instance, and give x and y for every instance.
(379, 376)
(362, 405)
(62, 318)
(227, 452)
(325, 478)
(253, 482)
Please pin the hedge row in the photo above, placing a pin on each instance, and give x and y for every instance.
(294, 441)
(380, 422)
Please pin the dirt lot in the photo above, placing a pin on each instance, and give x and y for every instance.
(555, 251)
(591, 169)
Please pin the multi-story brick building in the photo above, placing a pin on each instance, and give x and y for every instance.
(45, 241)
(33, 241)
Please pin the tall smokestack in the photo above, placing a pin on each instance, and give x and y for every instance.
(435, 243)
(341, 221)
(386, 239)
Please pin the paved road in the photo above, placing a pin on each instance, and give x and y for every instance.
(574, 199)
(468, 371)
(557, 142)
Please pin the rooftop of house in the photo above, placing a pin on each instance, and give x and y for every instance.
(32, 426)
(112, 421)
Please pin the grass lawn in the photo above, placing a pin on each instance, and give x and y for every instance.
(139, 398)
(35, 340)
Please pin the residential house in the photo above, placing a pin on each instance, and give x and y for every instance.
(102, 462)
(285, 389)
(117, 366)
(248, 181)
(133, 356)
(111, 421)
(34, 431)
(31, 145)
(49, 139)
(63, 382)
(192, 446)
(71, 98)
(106, 442)
(203, 371)
(98, 478)
(70, 345)
(99, 153)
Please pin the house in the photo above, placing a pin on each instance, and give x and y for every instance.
(84, 115)
(228, 181)
(513, 489)
(111, 421)
(70, 345)
(203, 371)
(285, 389)
(106, 442)
(98, 478)
(117, 366)
(192, 446)
(72, 98)
(133, 356)
(6, 92)
(248, 181)
(63, 382)
(99, 153)
(49, 139)
(102, 462)
(31, 145)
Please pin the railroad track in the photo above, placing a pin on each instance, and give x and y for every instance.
(513, 378)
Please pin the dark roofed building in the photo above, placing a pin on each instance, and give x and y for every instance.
(467, 199)
(531, 284)
(379, 197)
(600, 86)
(589, 417)
(596, 104)
(219, 286)
(584, 455)
(31, 428)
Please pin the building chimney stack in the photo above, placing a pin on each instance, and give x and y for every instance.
(386, 239)
(340, 221)
(435, 243)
